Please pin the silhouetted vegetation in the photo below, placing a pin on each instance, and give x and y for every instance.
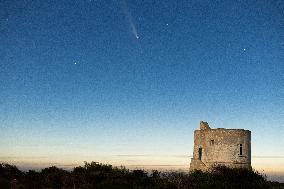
(99, 176)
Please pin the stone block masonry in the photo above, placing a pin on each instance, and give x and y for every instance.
(228, 147)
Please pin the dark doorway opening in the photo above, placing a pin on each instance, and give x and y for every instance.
(199, 153)
(241, 149)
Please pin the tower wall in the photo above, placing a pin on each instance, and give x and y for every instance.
(229, 147)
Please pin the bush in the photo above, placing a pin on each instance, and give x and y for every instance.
(96, 175)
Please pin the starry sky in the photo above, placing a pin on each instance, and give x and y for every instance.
(127, 82)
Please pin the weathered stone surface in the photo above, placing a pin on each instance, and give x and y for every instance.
(229, 147)
(204, 125)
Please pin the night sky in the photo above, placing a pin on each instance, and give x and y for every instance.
(127, 82)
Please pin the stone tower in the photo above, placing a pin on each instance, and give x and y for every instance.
(229, 147)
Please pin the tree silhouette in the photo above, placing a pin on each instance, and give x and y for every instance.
(95, 175)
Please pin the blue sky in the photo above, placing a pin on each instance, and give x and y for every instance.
(77, 84)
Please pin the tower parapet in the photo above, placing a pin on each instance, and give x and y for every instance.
(204, 125)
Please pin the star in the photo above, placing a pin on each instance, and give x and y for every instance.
(244, 49)
(167, 24)
(75, 63)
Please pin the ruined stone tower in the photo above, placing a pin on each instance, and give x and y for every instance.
(229, 147)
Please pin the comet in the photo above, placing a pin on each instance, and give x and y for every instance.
(130, 19)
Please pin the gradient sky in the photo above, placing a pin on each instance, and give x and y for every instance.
(76, 83)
